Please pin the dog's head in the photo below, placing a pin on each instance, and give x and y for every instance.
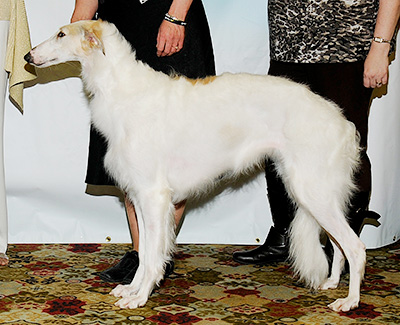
(73, 42)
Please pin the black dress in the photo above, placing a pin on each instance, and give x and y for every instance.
(139, 23)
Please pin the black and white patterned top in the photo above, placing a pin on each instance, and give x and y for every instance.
(321, 31)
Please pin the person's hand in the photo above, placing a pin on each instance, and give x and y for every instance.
(376, 66)
(84, 10)
(170, 38)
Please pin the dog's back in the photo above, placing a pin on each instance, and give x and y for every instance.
(229, 124)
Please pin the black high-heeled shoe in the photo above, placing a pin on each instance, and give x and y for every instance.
(356, 223)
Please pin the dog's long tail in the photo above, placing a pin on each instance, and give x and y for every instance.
(307, 257)
(322, 206)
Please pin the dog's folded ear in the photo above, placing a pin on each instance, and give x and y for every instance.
(92, 38)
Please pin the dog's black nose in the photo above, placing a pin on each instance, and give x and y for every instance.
(28, 57)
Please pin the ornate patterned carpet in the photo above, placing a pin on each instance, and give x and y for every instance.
(57, 284)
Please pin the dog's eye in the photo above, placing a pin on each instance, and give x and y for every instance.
(60, 34)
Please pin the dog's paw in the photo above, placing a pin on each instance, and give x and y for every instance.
(329, 284)
(344, 304)
(131, 302)
(123, 291)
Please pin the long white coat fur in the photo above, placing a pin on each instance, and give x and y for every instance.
(171, 137)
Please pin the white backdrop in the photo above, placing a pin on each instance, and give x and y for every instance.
(46, 148)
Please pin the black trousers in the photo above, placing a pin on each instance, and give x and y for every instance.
(341, 83)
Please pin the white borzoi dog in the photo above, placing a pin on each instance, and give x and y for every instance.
(171, 137)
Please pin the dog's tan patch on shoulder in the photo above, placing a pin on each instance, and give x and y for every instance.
(203, 81)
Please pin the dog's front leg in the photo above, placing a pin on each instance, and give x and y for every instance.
(155, 214)
(126, 291)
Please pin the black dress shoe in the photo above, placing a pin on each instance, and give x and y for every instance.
(128, 264)
(169, 268)
(275, 249)
(125, 270)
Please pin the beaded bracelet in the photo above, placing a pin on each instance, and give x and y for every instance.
(174, 20)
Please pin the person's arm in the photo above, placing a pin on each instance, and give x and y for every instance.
(377, 62)
(84, 10)
(171, 36)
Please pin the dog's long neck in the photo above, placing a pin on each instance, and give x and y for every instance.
(115, 78)
(108, 70)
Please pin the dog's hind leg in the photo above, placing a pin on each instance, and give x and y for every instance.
(155, 214)
(336, 268)
(331, 218)
(321, 194)
(336, 225)
(354, 250)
